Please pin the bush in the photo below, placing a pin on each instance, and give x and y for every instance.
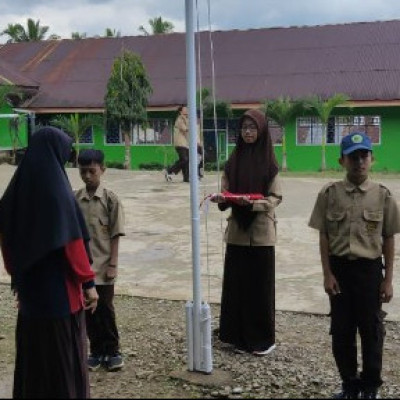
(153, 166)
(212, 166)
(114, 164)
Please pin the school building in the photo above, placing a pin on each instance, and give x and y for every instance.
(361, 60)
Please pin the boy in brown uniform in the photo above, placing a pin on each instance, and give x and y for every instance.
(104, 217)
(357, 220)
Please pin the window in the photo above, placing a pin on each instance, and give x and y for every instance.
(113, 133)
(276, 132)
(274, 129)
(157, 131)
(87, 136)
(309, 129)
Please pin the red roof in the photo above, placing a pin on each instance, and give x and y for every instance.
(361, 60)
(10, 76)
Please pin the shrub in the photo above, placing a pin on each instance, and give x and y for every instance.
(153, 166)
(115, 164)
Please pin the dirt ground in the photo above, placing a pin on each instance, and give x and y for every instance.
(154, 346)
(156, 279)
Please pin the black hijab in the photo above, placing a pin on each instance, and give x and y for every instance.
(251, 167)
(38, 211)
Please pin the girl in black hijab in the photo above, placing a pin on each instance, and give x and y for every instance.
(43, 237)
(247, 319)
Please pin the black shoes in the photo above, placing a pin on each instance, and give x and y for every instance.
(110, 363)
(94, 362)
(114, 362)
(347, 394)
(356, 394)
(369, 394)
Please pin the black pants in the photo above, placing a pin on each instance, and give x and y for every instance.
(181, 164)
(101, 325)
(200, 167)
(358, 307)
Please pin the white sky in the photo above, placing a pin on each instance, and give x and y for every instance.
(94, 16)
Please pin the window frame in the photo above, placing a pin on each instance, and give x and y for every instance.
(315, 124)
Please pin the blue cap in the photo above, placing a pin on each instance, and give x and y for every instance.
(355, 141)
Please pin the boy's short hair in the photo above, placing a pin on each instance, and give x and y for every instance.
(355, 141)
(88, 156)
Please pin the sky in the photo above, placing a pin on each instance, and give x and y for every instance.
(94, 16)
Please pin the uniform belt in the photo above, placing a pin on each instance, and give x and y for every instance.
(352, 258)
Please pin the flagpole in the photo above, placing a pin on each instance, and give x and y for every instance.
(198, 314)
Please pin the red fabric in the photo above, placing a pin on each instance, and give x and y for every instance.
(234, 197)
(81, 272)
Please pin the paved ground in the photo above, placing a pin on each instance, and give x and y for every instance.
(155, 256)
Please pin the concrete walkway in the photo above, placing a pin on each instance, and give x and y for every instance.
(155, 256)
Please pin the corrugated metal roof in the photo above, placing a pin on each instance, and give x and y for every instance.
(9, 76)
(359, 59)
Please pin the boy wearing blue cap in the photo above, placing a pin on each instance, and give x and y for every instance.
(357, 220)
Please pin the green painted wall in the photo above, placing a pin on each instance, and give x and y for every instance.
(299, 158)
(5, 136)
(308, 157)
(140, 154)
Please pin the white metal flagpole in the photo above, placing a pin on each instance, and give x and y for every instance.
(198, 316)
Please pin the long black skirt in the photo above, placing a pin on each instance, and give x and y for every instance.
(51, 358)
(247, 317)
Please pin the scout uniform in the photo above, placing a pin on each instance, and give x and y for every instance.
(181, 132)
(262, 232)
(355, 219)
(104, 218)
(181, 144)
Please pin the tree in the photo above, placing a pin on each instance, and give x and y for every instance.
(324, 109)
(75, 125)
(158, 27)
(112, 33)
(5, 92)
(9, 94)
(33, 32)
(128, 90)
(223, 109)
(282, 110)
(78, 35)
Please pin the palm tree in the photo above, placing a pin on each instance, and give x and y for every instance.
(128, 90)
(324, 109)
(112, 33)
(282, 110)
(158, 27)
(33, 32)
(78, 35)
(75, 125)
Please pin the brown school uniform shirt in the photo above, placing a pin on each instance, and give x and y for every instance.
(262, 232)
(355, 218)
(104, 218)
(181, 132)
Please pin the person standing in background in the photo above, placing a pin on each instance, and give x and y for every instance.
(181, 143)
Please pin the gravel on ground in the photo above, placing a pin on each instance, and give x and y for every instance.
(153, 338)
